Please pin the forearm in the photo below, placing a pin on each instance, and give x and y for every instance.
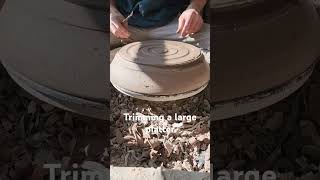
(113, 8)
(197, 5)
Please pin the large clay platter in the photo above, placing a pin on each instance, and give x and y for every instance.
(159, 70)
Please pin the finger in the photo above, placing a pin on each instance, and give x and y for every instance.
(123, 34)
(186, 27)
(116, 32)
(188, 30)
(125, 24)
(119, 34)
(126, 28)
(121, 30)
(180, 25)
(200, 25)
(120, 27)
(194, 27)
(113, 29)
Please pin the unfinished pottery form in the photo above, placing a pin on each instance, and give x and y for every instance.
(56, 50)
(158, 70)
(264, 51)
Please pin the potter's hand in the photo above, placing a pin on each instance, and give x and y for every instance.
(118, 27)
(190, 21)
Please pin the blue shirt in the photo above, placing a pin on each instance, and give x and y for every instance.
(151, 13)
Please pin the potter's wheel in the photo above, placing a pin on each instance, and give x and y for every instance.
(254, 102)
(159, 70)
(57, 57)
(232, 4)
(262, 60)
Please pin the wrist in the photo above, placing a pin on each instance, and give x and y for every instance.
(194, 8)
(196, 5)
(114, 12)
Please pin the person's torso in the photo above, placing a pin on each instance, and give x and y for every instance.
(151, 13)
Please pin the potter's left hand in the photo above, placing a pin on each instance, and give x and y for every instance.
(190, 22)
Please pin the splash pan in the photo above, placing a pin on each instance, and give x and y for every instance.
(159, 70)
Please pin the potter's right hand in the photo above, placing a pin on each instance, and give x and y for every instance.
(117, 27)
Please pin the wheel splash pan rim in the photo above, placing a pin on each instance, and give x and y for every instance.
(97, 110)
(244, 105)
